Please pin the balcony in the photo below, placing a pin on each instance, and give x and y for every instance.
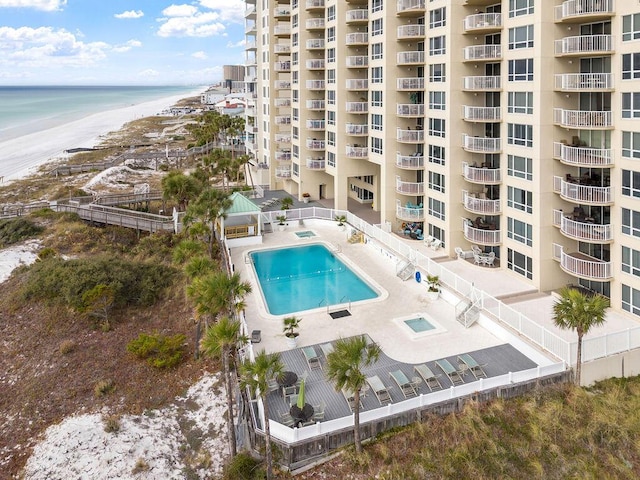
(573, 191)
(358, 38)
(317, 64)
(583, 231)
(250, 11)
(482, 84)
(356, 151)
(282, 119)
(283, 171)
(410, 110)
(312, 5)
(482, 144)
(357, 84)
(410, 136)
(315, 44)
(281, 12)
(595, 82)
(583, 266)
(583, 156)
(361, 15)
(482, 53)
(482, 23)
(315, 23)
(357, 107)
(591, 120)
(481, 175)
(283, 155)
(313, 144)
(282, 66)
(315, 84)
(282, 30)
(357, 61)
(282, 102)
(316, 163)
(315, 105)
(282, 84)
(315, 124)
(482, 206)
(250, 28)
(410, 8)
(283, 138)
(250, 45)
(583, 45)
(410, 84)
(410, 32)
(480, 236)
(282, 49)
(410, 162)
(584, 10)
(409, 188)
(357, 130)
(481, 114)
(409, 214)
(410, 58)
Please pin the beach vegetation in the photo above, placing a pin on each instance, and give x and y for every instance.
(199, 267)
(98, 302)
(243, 466)
(286, 203)
(104, 387)
(180, 188)
(67, 346)
(16, 230)
(218, 293)
(160, 351)
(186, 249)
(111, 423)
(209, 207)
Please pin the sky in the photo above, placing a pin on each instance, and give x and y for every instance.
(119, 42)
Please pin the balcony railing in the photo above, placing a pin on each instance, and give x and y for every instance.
(581, 265)
(480, 236)
(283, 171)
(315, 104)
(481, 175)
(282, 119)
(357, 84)
(482, 21)
(583, 118)
(315, 84)
(282, 30)
(405, 7)
(356, 152)
(356, 129)
(283, 138)
(409, 214)
(584, 8)
(410, 136)
(357, 38)
(314, 4)
(315, 23)
(281, 12)
(482, 144)
(410, 109)
(282, 66)
(282, 102)
(486, 83)
(313, 144)
(583, 81)
(409, 188)
(482, 52)
(316, 163)
(250, 28)
(410, 58)
(282, 84)
(360, 15)
(411, 83)
(482, 206)
(410, 31)
(410, 162)
(315, 124)
(582, 231)
(283, 156)
(281, 48)
(317, 64)
(481, 114)
(357, 61)
(583, 156)
(584, 44)
(315, 44)
(357, 107)
(584, 194)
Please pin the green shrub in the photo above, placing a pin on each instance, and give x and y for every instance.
(243, 467)
(104, 387)
(67, 346)
(111, 423)
(158, 350)
(17, 229)
(46, 253)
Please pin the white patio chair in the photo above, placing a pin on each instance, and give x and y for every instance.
(435, 245)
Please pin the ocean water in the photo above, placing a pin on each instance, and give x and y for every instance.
(33, 109)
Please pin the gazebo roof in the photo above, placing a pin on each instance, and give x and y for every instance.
(241, 205)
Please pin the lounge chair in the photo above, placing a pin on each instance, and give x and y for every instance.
(436, 244)
(326, 348)
(318, 412)
(470, 364)
(407, 388)
(350, 398)
(428, 377)
(287, 420)
(452, 374)
(312, 358)
(382, 394)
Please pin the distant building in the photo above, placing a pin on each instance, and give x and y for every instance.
(233, 78)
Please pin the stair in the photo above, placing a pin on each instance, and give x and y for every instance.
(405, 271)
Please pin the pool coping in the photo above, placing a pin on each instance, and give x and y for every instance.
(413, 335)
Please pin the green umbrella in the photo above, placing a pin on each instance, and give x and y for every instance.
(301, 401)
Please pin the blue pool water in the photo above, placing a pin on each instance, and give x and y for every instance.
(305, 234)
(419, 324)
(293, 279)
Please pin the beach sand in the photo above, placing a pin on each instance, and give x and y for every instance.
(21, 156)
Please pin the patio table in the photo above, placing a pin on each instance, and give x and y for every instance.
(287, 379)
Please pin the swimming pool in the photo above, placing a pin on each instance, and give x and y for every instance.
(293, 279)
(419, 324)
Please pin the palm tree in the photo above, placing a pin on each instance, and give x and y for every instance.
(344, 367)
(217, 293)
(180, 187)
(210, 206)
(578, 311)
(256, 376)
(220, 340)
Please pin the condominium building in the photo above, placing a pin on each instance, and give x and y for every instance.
(510, 125)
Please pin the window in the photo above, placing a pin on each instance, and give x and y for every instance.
(521, 37)
(520, 263)
(436, 182)
(376, 121)
(295, 151)
(295, 114)
(331, 34)
(520, 167)
(631, 222)
(631, 144)
(294, 58)
(294, 95)
(520, 7)
(331, 117)
(294, 40)
(437, 100)
(331, 159)
(437, 127)
(331, 13)
(331, 138)
(376, 145)
(630, 183)
(631, 27)
(631, 261)
(294, 21)
(631, 105)
(437, 73)
(295, 168)
(295, 133)
(521, 70)
(520, 102)
(436, 154)
(438, 17)
(377, 5)
(630, 66)
(376, 75)
(438, 233)
(376, 27)
(331, 55)
(376, 98)
(437, 45)
(520, 199)
(518, 134)
(376, 51)
(331, 76)
(630, 299)
(520, 231)
(436, 208)
(294, 77)
(331, 97)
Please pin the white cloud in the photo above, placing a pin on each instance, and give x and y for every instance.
(199, 25)
(128, 14)
(199, 55)
(46, 5)
(127, 46)
(180, 11)
(149, 73)
(240, 43)
(230, 10)
(205, 20)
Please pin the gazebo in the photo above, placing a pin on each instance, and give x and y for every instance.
(242, 225)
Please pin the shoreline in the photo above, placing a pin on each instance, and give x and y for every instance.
(23, 155)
